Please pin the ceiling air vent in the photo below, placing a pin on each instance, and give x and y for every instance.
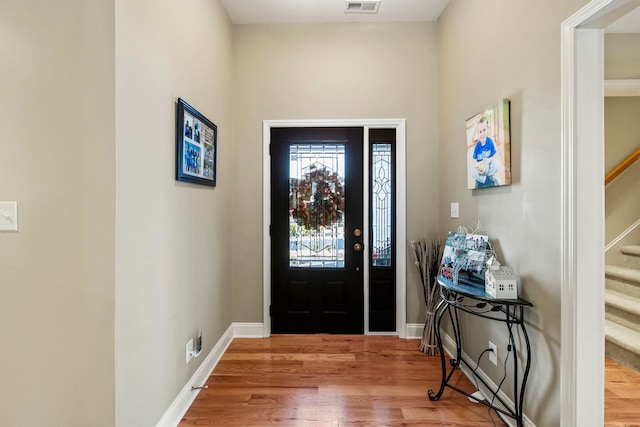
(370, 6)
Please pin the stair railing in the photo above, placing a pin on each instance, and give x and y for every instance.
(633, 157)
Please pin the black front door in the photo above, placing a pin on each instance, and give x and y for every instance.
(316, 230)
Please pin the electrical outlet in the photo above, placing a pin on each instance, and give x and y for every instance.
(189, 350)
(198, 348)
(493, 354)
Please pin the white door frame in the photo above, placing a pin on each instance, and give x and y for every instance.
(401, 209)
(582, 232)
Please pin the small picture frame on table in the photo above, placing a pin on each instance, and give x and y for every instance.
(463, 253)
(196, 146)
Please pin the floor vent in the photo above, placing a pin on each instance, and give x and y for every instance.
(370, 6)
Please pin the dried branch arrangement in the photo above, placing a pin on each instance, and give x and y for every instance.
(427, 258)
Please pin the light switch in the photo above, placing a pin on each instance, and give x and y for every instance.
(455, 210)
(8, 216)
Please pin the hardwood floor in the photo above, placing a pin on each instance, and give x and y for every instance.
(621, 396)
(331, 380)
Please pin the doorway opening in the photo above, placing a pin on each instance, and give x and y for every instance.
(316, 230)
(582, 236)
(398, 127)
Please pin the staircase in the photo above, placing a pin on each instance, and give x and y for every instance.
(622, 309)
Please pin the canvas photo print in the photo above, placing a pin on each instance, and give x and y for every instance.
(489, 147)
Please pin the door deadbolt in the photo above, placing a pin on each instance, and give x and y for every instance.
(357, 247)
(357, 232)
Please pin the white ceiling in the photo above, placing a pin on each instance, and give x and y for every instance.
(317, 11)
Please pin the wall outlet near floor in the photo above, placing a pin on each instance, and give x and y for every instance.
(189, 350)
(493, 354)
(198, 347)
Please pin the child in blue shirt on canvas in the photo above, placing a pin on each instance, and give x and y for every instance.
(484, 154)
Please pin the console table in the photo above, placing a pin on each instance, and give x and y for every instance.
(469, 296)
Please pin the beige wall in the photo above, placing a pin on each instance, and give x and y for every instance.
(488, 51)
(621, 56)
(57, 272)
(621, 128)
(339, 71)
(173, 263)
(622, 137)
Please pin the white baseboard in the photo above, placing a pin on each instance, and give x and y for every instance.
(382, 334)
(414, 330)
(256, 330)
(450, 347)
(185, 398)
(622, 235)
(248, 330)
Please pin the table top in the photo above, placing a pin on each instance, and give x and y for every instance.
(474, 288)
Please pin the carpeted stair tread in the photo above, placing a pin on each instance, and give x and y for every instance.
(624, 273)
(631, 250)
(622, 309)
(631, 256)
(623, 302)
(622, 336)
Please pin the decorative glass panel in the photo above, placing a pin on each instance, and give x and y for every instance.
(381, 214)
(316, 205)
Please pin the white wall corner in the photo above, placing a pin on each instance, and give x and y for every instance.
(185, 398)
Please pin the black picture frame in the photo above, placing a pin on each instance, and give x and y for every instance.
(196, 146)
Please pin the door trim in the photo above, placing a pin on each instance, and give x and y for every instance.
(582, 237)
(401, 209)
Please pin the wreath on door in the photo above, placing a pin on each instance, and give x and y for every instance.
(317, 199)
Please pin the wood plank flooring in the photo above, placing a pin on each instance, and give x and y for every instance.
(621, 396)
(331, 380)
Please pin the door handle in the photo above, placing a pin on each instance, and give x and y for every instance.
(357, 232)
(357, 247)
